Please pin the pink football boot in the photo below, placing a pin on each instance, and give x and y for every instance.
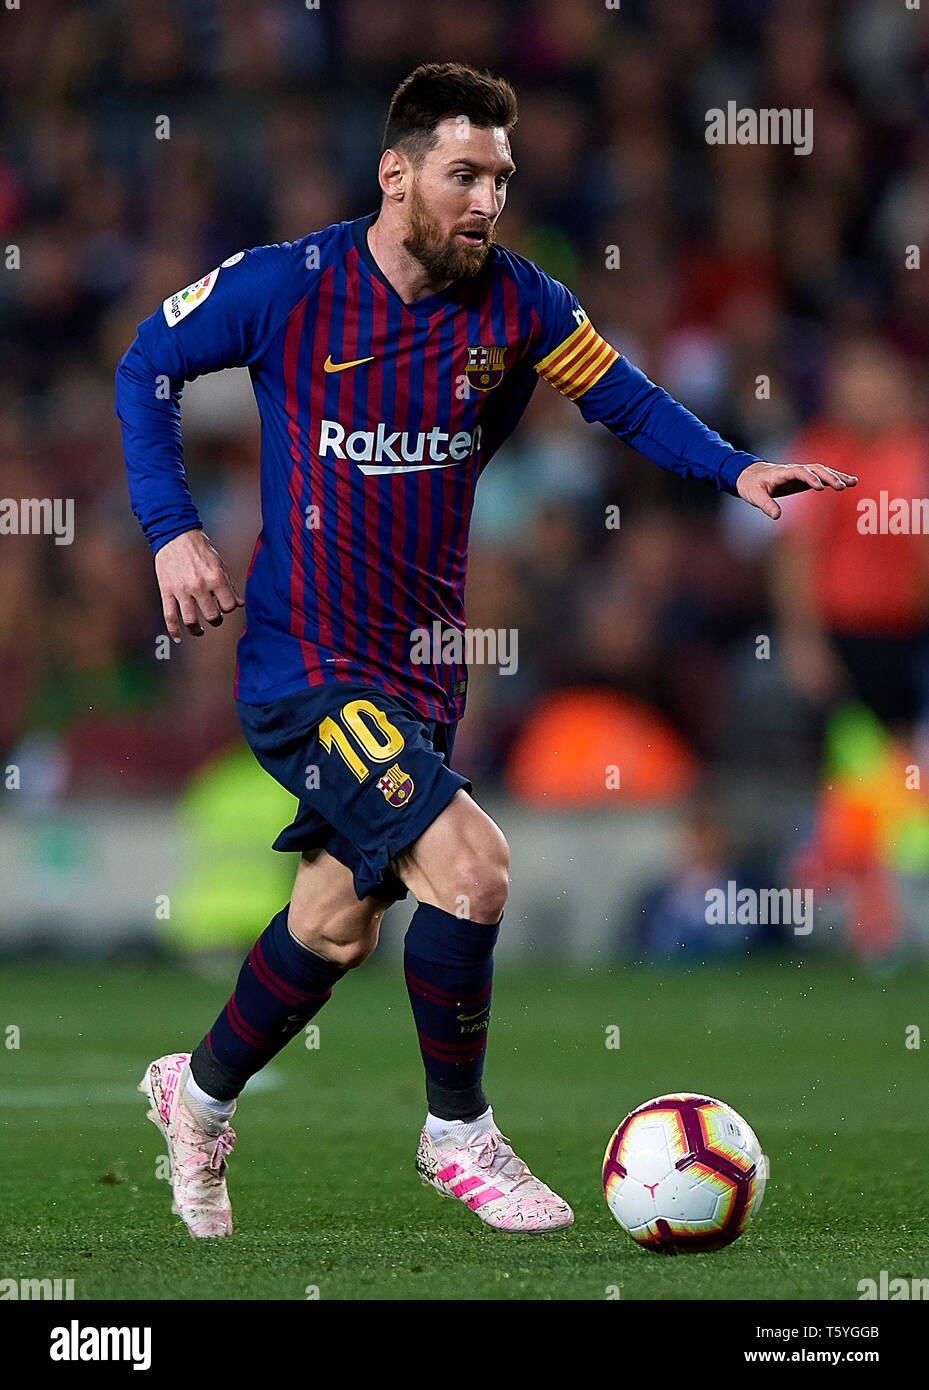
(197, 1158)
(490, 1179)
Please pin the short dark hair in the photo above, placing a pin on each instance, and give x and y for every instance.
(435, 91)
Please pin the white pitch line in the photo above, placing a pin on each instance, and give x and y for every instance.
(31, 1097)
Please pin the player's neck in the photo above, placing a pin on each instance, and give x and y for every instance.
(408, 277)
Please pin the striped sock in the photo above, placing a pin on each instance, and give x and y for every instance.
(449, 974)
(281, 985)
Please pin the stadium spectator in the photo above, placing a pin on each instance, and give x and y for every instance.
(733, 262)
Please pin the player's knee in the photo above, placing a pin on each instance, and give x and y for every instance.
(345, 938)
(350, 954)
(461, 864)
(482, 885)
(347, 954)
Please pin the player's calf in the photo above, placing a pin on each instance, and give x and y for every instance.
(459, 870)
(288, 976)
(281, 986)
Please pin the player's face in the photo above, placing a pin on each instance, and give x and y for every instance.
(455, 198)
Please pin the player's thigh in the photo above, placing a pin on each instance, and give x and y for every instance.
(460, 863)
(327, 916)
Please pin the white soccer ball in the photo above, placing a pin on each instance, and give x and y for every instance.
(684, 1172)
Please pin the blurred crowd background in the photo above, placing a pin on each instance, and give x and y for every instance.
(775, 294)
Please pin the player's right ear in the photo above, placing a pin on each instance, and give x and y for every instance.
(392, 174)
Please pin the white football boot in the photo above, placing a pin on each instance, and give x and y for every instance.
(197, 1157)
(489, 1178)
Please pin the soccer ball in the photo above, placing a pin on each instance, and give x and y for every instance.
(684, 1172)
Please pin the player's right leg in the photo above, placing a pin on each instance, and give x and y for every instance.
(286, 979)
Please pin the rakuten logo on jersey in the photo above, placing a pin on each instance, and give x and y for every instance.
(405, 451)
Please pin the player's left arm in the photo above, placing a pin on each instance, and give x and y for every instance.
(608, 388)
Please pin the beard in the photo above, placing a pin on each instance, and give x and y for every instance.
(445, 258)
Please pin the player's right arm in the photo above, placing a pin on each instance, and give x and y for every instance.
(227, 319)
(191, 576)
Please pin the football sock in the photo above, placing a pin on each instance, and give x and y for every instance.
(458, 1130)
(281, 986)
(448, 963)
(211, 1114)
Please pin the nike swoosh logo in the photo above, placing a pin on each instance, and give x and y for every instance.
(330, 366)
(464, 1018)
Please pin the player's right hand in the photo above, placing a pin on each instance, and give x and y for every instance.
(192, 577)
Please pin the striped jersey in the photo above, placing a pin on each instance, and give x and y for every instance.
(377, 419)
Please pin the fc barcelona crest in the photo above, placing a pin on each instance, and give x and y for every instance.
(396, 786)
(484, 367)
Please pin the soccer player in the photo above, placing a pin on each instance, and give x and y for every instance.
(390, 356)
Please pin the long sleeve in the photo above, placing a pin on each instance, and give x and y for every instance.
(573, 357)
(226, 319)
(644, 416)
(150, 416)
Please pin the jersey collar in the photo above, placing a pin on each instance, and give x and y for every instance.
(452, 294)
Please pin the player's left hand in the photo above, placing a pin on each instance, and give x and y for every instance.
(760, 483)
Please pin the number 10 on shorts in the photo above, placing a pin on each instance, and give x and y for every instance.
(380, 743)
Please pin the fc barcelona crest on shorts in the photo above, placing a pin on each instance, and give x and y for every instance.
(396, 786)
(484, 367)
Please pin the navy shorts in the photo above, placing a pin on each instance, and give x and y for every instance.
(370, 775)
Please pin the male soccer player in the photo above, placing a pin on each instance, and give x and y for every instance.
(390, 358)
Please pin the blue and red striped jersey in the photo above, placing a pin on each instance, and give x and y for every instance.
(377, 419)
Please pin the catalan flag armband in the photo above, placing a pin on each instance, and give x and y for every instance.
(577, 363)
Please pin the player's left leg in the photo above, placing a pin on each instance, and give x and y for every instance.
(458, 869)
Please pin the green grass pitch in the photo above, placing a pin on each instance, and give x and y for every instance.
(322, 1182)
